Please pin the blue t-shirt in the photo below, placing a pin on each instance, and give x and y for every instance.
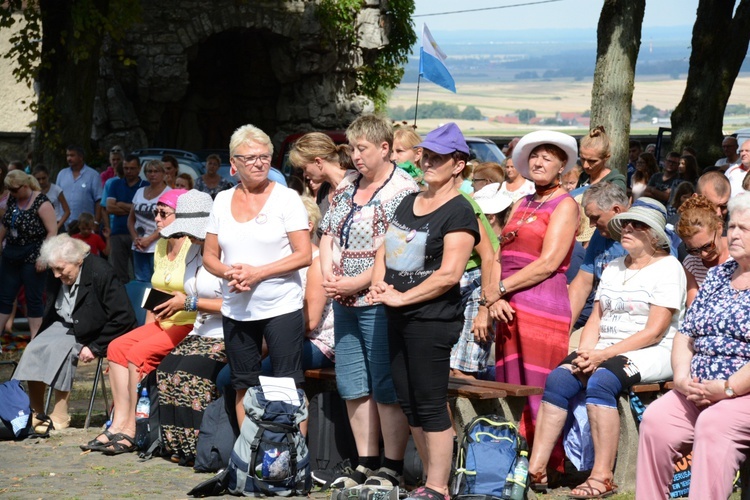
(120, 191)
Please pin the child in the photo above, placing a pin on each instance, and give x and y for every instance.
(86, 228)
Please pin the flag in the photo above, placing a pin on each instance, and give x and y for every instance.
(431, 65)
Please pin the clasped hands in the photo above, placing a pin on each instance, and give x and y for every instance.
(701, 393)
(588, 360)
(242, 277)
(383, 293)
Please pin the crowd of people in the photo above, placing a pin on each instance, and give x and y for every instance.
(403, 262)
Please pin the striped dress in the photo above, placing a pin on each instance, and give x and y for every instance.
(535, 342)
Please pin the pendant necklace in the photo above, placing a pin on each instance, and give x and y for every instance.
(528, 218)
(625, 274)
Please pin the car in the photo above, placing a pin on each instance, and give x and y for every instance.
(484, 150)
(188, 162)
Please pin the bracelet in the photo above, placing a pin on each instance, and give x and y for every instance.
(502, 289)
(191, 303)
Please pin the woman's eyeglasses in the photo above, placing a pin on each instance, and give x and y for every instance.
(153, 171)
(14, 189)
(162, 213)
(635, 224)
(707, 248)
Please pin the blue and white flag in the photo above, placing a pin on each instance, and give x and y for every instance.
(431, 62)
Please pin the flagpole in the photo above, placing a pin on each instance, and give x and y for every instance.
(416, 105)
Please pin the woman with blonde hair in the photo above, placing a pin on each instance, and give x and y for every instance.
(27, 223)
(515, 184)
(486, 173)
(406, 153)
(595, 153)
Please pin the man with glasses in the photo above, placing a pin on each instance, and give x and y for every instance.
(82, 187)
(736, 173)
(729, 146)
(119, 202)
(660, 186)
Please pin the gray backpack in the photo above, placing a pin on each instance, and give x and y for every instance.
(270, 457)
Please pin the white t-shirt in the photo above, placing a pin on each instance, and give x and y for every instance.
(736, 174)
(198, 281)
(526, 189)
(259, 242)
(54, 197)
(145, 222)
(625, 309)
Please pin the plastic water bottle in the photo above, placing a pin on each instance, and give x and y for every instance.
(269, 457)
(143, 408)
(520, 477)
(508, 487)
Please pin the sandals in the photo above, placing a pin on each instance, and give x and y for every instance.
(538, 482)
(95, 444)
(610, 488)
(115, 447)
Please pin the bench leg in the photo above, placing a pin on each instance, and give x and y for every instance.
(627, 447)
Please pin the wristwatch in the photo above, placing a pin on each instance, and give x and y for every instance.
(728, 390)
(503, 291)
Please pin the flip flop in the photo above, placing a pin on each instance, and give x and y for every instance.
(610, 488)
(95, 444)
(115, 447)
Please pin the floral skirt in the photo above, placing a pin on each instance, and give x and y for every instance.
(187, 384)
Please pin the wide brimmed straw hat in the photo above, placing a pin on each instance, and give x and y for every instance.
(646, 210)
(528, 142)
(191, 215)
(491, 200)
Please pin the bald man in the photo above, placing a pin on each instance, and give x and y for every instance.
(736, 174)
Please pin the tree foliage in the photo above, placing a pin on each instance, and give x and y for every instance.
(525, 115)
(436, 110)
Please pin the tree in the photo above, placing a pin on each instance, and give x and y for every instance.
(649, 111)
(471, 113)
(66, 65)
(720, 44)
(618, 42)
(525, 115)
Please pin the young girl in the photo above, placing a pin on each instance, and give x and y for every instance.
(87, 233)
(184, 181)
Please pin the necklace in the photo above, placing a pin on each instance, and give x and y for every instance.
(528, 218)
(171, 265)
(625, 274)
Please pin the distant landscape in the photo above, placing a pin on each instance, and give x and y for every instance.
(508, 83)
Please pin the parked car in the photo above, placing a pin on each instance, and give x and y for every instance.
(188, 162)
(484, 150)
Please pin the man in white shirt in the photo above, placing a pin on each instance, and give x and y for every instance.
(729, 146)
(736, 173)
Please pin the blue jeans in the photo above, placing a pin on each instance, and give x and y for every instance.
(143, 266)
(13, 274)
(363, 364)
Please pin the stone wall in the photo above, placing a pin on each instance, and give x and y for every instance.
(202, 69)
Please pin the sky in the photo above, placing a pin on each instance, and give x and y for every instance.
(553, 15)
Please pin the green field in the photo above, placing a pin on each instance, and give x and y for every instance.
(547, 98)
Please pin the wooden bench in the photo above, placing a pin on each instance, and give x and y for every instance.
(467, 397)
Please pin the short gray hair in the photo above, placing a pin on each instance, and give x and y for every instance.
(247, 134)
(738, 204)
(606, 195)
(63, 248)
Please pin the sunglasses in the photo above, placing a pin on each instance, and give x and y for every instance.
(635, 224)
(707, 248)
(162, 213)
(14, 189)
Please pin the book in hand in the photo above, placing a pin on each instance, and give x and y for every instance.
(153, 297)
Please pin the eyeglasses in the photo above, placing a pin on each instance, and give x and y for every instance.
(252, 159)
(115, 150)
(14, 189)
(478, 179)
(707, 248)
(153, 171)
(635, 224)
(162, 213)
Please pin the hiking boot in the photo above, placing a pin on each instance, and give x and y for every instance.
(384, 477)
(326, 476)
(351, 477)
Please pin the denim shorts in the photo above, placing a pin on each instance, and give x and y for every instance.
(363, 365)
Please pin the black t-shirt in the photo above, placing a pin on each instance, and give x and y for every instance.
(414, 250)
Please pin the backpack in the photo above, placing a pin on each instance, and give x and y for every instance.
(15, 411)
(487, 454)
(215, 439)
(148, 431)
(270, 457)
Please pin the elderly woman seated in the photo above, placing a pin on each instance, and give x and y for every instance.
(709, 407)
(87, 307)
(627, 340)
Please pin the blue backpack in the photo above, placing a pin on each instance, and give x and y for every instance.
(15, 412)
(488, 453)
